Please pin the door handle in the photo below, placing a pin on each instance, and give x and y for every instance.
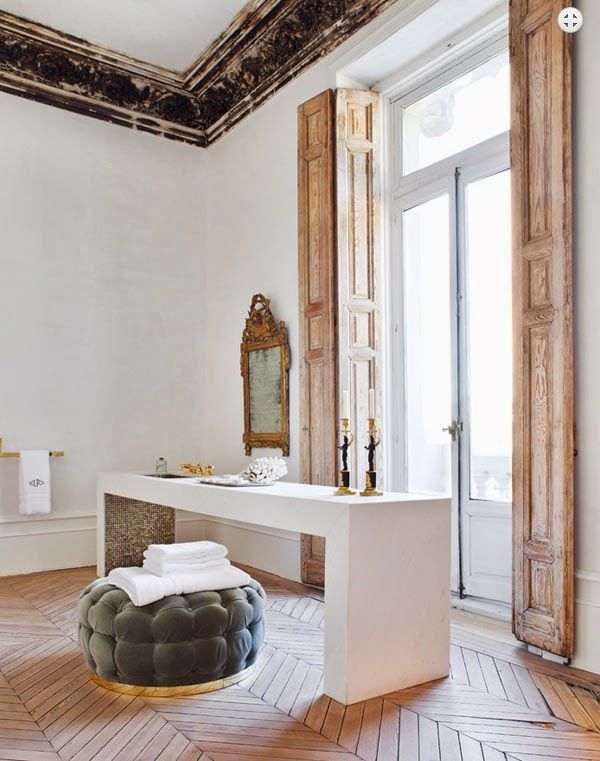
(454, 429)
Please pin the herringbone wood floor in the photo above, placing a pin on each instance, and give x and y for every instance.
(500, 704)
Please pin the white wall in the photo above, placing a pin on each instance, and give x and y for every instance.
(587, 349)
(101, 293)
(130, 263)
(252, 244)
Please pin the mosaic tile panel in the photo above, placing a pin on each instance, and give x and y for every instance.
(130, 526)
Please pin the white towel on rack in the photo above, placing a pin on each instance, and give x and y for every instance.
(34, 482)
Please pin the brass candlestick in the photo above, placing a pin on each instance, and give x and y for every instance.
(370, 489)
(344, 489)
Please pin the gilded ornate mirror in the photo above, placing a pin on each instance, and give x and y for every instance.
(265, 362)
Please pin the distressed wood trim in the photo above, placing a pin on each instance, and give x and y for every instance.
(543, 427)
(359, 290)
(318, 306)
(268, 44)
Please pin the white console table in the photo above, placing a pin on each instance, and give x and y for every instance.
(387, 570)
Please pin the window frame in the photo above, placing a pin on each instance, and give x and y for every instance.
(399, 189)
(400, 193)
(425, 84)
(482, 160)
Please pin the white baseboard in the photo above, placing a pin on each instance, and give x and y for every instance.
(267, 549)
(587, 620)
(264, 548)
(587, 588)
(497, 610)
(188, 527)
(33, 543)
(29, 544)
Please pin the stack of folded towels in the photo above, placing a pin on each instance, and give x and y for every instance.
(177, 569)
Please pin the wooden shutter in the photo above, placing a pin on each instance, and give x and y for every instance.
(317, 292)
(543, 343)
(357, 173)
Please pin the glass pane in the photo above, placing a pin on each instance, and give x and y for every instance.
(264, 370)
(489, 331)
(464, 112)
(427, 346)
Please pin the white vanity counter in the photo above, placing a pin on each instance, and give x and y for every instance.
(387, 570)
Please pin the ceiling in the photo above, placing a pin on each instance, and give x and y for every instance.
(167, 33)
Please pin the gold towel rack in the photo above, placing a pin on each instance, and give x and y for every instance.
(52, 452)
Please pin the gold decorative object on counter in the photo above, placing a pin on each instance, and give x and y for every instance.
(198, 469)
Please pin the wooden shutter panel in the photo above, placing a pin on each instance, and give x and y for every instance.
(543, 343)
(357, 173)
(317, 292)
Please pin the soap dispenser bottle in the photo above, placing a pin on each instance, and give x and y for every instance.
(161, 468)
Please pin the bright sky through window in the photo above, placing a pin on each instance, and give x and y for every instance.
(463, 113)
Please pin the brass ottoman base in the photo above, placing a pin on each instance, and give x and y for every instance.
(171, 692)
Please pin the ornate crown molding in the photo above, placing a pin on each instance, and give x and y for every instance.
(40, 64)
(267, 45)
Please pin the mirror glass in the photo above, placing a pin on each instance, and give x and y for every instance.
(265, 389)
(264, 365)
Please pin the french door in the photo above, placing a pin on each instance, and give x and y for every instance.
(453, 355)
(483, 445)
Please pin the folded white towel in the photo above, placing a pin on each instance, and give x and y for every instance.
(164, 568)
(34, 482)
(204, 550)
(144, 587)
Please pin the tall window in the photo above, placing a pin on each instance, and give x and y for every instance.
(451, 308)
(464, 112)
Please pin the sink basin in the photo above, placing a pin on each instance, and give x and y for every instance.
(165, 475)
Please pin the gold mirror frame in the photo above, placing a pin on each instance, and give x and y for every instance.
(262, 332)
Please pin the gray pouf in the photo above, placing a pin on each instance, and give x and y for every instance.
(203, 639)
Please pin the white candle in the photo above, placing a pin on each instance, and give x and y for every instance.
(345, 405)
(371, 402)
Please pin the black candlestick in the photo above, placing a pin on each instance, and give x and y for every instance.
(370, 489)
(344, 477)
(344, 450)
(371, 450)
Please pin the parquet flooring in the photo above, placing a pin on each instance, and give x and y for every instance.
(500, 703)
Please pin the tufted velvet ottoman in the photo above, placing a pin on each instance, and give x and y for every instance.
(183, 644)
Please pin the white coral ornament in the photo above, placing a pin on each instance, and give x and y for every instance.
(265, 470)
